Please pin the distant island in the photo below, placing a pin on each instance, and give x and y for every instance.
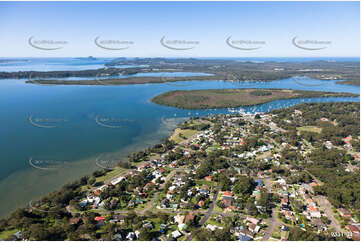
(232, 98)
(125, 81)
(345, 72)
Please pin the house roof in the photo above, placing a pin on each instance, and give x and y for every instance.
(344, 211)
(253, 220)
(252, 226)
(201, 203)
(204, 186)
(312, 208)
(179, 218)
(189, 217)
(100, 218)
(244, 238)
(119, 216)
(318, 222)
(227, 201)
(74, 220)
(353, 228)
(176, 234)
(227, 193)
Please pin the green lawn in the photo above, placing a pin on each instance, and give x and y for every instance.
(204, 182)
(213, 222)
(218, 209)
(187, 133)
(313, 129)
(110, 174)
(7, 233)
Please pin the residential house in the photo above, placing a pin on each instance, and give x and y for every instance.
(253, 228)
(227, 201)
(190, 218)
(208, 178)
(179, 219)
(176, 234)
(252, 220)
(313, 211)
(354, 229)
(344, 213)
(317, 223)
(213, 227)
(201, 203)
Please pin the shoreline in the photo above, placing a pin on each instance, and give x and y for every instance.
(74, 170)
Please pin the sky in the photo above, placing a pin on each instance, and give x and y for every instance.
(321, 29)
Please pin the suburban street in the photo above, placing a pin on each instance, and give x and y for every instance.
(274, 221)
(326, 206)
(209, 212)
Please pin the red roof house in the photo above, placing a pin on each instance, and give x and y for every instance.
(100, 218)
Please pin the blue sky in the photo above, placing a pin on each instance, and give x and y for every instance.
(209, 23)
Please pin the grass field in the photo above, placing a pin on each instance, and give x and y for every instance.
(7, 233)
(110, 174)
(187, 133)
(313, 129)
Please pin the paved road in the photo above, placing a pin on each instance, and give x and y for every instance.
(274, 221)
(209, 212)
(327, 207)
(151, 202)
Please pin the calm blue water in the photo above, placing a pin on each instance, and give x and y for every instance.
(88, 121)
(52, 64)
